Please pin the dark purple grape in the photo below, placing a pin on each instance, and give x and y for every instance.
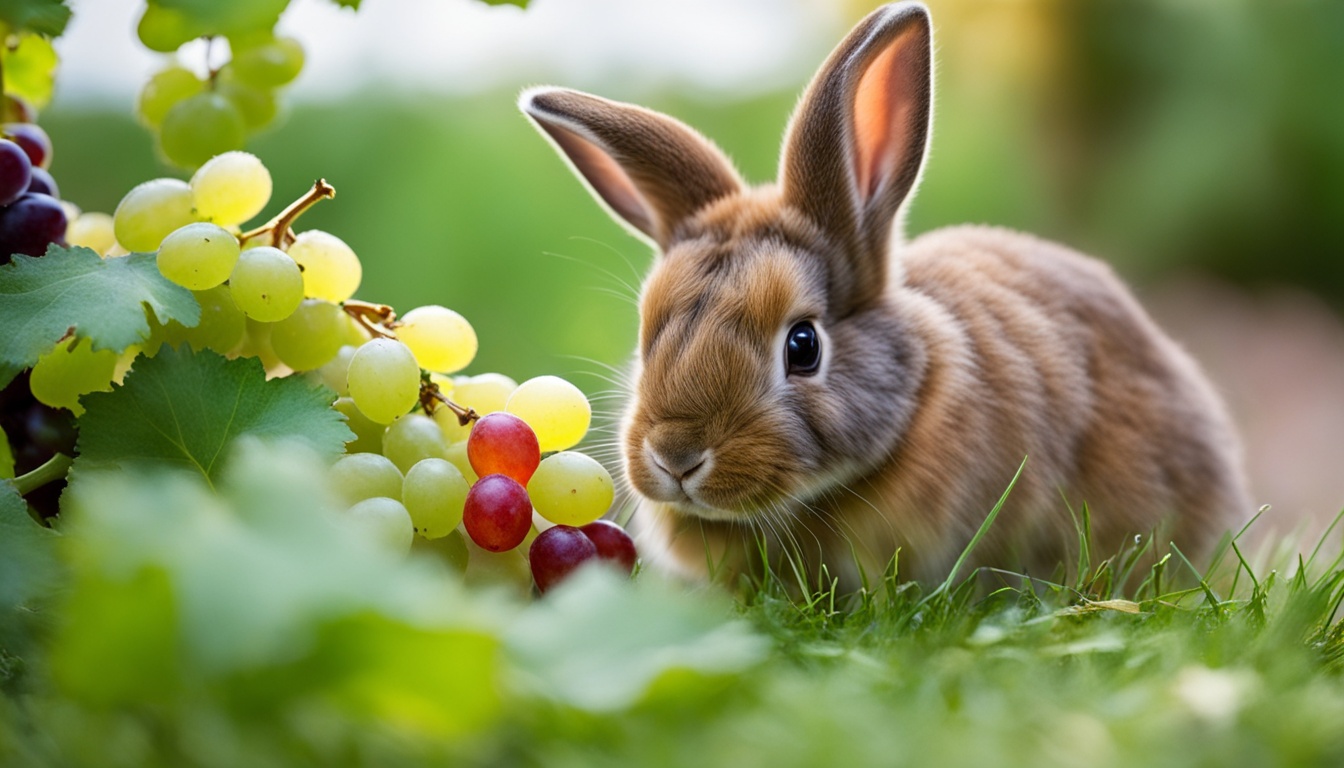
(35, 433)
(557, 552)
(30, 224)
(16, 171)
(613, 543)
(43, 183)
(35, 141)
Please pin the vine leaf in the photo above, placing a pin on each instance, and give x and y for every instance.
(184, 409)
(28, 566)
(73, 289)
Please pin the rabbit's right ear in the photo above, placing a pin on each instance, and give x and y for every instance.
(856, 143)
(650, 170)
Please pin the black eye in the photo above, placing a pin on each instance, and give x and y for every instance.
(802, 349)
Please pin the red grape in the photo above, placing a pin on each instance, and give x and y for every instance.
(501, 443)
(612, 542)
(497, 513)
(16, 171)
(35, 141)
(557, 552)
(30, 224)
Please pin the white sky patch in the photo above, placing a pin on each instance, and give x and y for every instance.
(460, 46)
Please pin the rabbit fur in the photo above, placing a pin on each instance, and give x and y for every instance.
(945, 361)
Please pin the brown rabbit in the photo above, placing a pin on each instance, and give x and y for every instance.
(807, 378)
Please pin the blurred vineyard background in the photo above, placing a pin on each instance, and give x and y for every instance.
(1197, 145)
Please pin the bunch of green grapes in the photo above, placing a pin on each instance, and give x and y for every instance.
(196, 118)
(435, 455)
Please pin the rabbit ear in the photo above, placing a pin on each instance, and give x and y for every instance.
(650, 170)
(856, 143)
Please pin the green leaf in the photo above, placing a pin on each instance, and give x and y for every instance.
(45, 17)
(30, 69)
(183, 409)
(264, 593)
(519, 3)
(28, 567)
(354, 4)
(104, 300)
(602, 643)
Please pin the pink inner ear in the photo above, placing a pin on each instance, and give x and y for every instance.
(605, 174)
(881, 117)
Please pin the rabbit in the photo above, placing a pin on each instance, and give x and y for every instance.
(812, 390)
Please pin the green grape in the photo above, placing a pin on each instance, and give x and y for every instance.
(68, 371)
(450, 549)
(412, 438)
(198, 256)
(231, 188)
(256, 341)
(270, 64)
(485, 393)
(457, 455)
(384, 521)
(150, 212)
(257, 105)
(331, 270)
(165, 29)
(359, 476)
(441, 339)
(125, 361)
(93, 231)
(368, 433)
(267, 284)
(200, 127)
(354, 334)
(434, 493)
(555, 409)
(310, 337)
(221, 327)
(332, 373)
(166, 88)
(570, 488)
(384, 379)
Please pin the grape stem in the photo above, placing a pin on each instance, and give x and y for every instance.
(279, 227)
(377, 320)
(53, 469)
(431, 398)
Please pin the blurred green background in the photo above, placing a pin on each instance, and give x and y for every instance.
(1165, 136)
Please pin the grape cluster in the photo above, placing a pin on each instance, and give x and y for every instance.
(196, 117)
(435, 454)
(36, 432)
(31, 214)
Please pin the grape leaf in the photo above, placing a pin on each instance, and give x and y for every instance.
(45, 17)
(519, 3)
(183, 409)
(28, 567)
(41, 299)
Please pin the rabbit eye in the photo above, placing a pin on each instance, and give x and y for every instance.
(802, 349)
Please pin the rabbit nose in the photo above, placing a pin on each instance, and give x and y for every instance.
(680, 465)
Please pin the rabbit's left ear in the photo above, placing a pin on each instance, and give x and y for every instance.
(651, 171)
(856, 143)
